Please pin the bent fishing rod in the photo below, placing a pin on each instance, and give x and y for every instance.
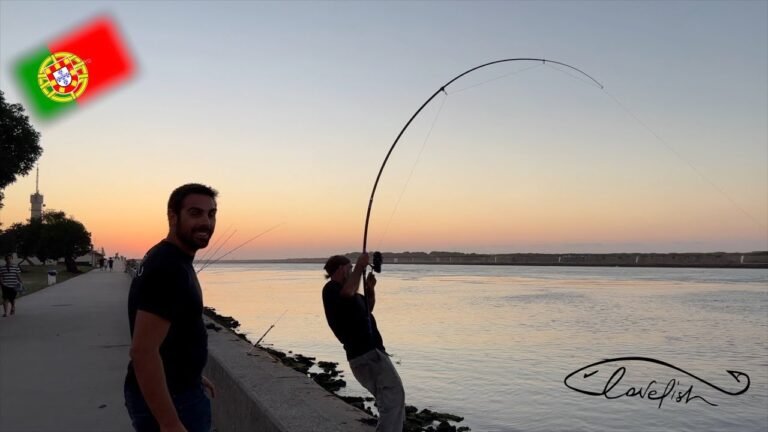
(377, 258)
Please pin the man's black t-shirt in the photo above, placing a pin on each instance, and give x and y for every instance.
(166, 285)
(350, 321)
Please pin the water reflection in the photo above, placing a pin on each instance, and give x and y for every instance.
(494, 343)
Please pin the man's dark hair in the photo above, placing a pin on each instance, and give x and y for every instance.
(181, 192)
(334, 263)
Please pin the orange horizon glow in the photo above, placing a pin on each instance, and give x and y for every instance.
(130, 226)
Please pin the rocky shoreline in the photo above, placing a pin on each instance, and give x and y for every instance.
(330, 378)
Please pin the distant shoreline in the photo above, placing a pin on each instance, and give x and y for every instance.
(757, 259)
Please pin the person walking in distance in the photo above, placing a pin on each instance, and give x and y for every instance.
(350, 316)
(10, 283)
(164, 386)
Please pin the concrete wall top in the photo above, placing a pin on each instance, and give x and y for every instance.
(256, 392)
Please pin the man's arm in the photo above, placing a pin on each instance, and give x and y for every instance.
(149, 331)
(353, 282)
(370, 292)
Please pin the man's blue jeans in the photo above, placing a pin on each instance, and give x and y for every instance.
(192, 406)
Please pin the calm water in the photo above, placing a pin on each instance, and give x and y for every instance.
(494, 344)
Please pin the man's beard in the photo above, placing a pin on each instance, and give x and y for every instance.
(191, 240)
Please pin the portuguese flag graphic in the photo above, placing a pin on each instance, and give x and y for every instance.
(74, 69)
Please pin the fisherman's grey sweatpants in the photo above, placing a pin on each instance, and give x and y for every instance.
(375, 371)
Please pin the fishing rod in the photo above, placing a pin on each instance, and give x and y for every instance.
(268, 330)
(377, 255)
(205, 258)
(239, 246)
(208, 249)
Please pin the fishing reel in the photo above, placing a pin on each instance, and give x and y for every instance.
(377, 261)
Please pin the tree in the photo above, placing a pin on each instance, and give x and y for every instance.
(19, 144)
(23, 239)
(62, 237)
(7, 242)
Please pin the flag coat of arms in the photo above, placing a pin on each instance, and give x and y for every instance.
(74, 68)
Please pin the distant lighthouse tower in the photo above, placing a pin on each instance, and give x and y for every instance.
(36, 199)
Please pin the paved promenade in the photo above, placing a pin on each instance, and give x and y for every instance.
(63, 357)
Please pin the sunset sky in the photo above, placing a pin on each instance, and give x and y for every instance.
(288, 109)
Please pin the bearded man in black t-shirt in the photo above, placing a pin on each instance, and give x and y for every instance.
(164, 386)
(350, 316)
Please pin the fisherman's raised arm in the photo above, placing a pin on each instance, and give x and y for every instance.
(370, 292)
(353, 281)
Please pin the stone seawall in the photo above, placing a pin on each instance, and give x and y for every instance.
(256, 392)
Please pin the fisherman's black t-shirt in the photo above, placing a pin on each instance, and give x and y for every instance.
(350, 321)
(166, 285)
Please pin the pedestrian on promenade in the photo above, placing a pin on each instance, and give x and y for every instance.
(111, 262)
(350, 316)
(164, 387)
(101, 263)
(10, 281)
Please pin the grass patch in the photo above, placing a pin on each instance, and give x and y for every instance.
(35, 277)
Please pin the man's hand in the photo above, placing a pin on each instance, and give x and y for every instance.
(208, 385)
(362, 261)
(370, 293)
(370, 281)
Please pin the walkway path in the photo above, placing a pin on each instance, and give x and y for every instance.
(63, 357)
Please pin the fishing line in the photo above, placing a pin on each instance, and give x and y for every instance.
(669, 147)
(239, 246)
(208, 251)
(690, 165)
(413, 168)
(675, 152)
(576, 77)
(497, 78)
(217, 250)
(204, 256)
(434, 121)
